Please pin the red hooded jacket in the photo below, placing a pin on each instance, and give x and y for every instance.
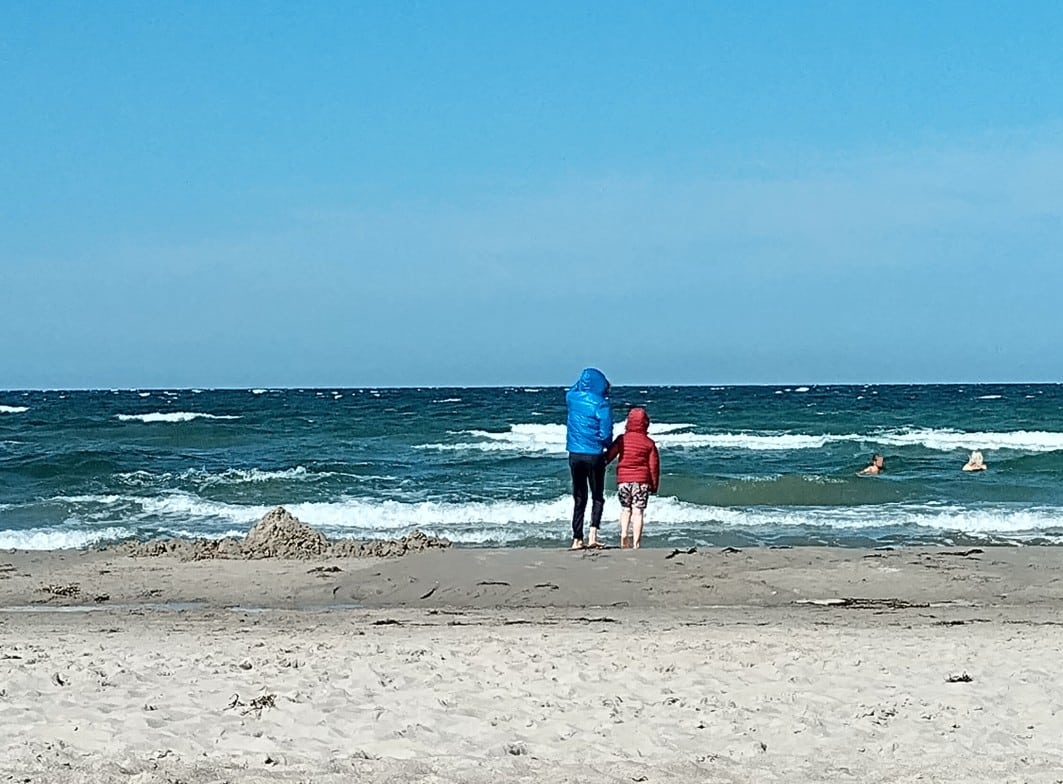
(639, 461)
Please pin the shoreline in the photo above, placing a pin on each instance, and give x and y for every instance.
(993, 578)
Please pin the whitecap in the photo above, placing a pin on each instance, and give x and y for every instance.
(751, 441)
(532, 438)
(60, 538)
(498, 521)
(172, 416)
(250, 475)
(14, 409)
(946, 440)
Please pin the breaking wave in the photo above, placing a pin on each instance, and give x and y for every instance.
(549, 439)
(171, 416)
(500, 522)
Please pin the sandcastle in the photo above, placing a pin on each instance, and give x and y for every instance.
(279, 534)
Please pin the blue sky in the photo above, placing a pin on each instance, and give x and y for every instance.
(252, 194)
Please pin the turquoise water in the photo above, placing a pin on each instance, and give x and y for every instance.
(741, 465)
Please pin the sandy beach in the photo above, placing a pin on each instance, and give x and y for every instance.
(807, 664)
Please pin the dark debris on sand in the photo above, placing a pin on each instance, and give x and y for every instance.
(280, 535)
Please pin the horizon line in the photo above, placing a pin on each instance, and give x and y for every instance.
(522, 386)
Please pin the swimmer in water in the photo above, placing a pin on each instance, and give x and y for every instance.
(876, 466)
(975, 462)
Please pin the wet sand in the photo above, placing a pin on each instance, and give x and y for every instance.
(804, 664)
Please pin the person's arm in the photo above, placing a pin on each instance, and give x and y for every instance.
(616, 449)
(655, 470)
(605, 424)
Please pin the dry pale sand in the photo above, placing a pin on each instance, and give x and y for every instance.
(492, 666)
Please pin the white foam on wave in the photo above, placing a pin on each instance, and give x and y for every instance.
(448, 400)
(236, 476)
(387, 517)
(14, 409)
(542, 439)
(528, 438)
(973, 522)
(943, 440)
(990, 397)
(950, 440)
(172, 416)
(358, 514)
(184, 508)
(501, 521)
(549, 439)
(90, 499)
(60, 539)
(752, 441)
(249, 475)
(258, 391)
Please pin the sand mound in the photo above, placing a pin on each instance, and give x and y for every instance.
(279, 534)
(383, 548)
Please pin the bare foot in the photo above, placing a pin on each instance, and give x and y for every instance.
(623, 543)
(577, 544)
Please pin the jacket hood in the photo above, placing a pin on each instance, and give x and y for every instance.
(638, 421)
(594, 381)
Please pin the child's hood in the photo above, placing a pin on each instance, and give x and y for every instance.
(638, 421)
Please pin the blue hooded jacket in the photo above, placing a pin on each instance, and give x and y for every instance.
(590, 420)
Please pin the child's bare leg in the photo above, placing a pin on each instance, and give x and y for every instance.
(625, 518)
(637, 519)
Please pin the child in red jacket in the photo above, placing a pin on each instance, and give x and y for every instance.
(638, 474)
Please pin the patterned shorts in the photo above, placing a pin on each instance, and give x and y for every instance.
(633, 494)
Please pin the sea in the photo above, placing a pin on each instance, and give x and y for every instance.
(742, 466)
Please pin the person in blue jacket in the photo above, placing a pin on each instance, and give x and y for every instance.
(589, 432)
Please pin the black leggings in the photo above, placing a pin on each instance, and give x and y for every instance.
(587, 471)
